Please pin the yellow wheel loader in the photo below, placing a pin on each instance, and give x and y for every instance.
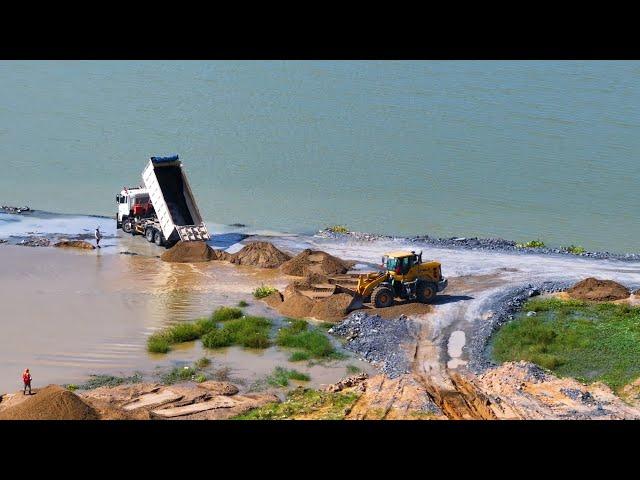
(404, 276)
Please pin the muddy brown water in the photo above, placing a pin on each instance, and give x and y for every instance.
(67, 314)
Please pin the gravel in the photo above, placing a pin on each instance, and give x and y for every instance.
(475, 243)
(379, 341)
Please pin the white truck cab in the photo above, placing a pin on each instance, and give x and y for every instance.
(132, 202)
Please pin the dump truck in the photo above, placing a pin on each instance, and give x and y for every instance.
(403, 275)
(164, 210)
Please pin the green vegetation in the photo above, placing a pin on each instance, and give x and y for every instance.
(531, 244)
(96, 381)
(250, 332)
(352, 369)
(161, 341)
(575, 249)
(72, 387)
(201, 377)
(281, 376)
(222, 314)
(242, 304)
(338, 229)
(264, 291)
(305, 403)
(202, 362)
(178, 374)
(309, 342)
(588, 341)
(158, 343)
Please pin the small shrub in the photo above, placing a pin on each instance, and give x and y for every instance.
(338, 229)
(223, 314)
(178, 374)
(531, 244)
(242, 304)
(72, 387)
(205, 325)
(217, 338)
(299, 356)
(575, 249)
(200, 378)
(203, 362)
(158, 343)
(352, 369)
(311, 341)
(281, 376)
(264, 291)
(182, 332)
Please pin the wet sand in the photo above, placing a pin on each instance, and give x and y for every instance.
(68, 314)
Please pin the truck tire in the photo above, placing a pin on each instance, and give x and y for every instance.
(158, 240)
(382, 297)
(150, 234)
(426, 291)
(127, 227)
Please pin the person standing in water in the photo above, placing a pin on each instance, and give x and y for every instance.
(98, 236)
(26, 379)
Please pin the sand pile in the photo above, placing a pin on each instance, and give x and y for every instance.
(331, 308)
(309, 262)
(274, 300)
(305, 284)
(51, 403)
(190, 252)
(296, 306)
(260, 254)
(75, 244)
(598, 290)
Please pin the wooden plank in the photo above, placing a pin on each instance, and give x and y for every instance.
(217, 402)
(154, 399)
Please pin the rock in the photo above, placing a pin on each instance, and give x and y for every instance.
(80, 244)
(35, 242)
(531, 314)
(219, 388)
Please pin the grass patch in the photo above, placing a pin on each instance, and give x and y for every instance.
(222, 314)
(202, 362)
(96, 381)
(201, 377)
(178, 374)
(299, 356)
(158, 343)
(305, 404)
(242, 304)
(307, 341)
(531, 244)
(264, 291)
(575, 249)
(352, 369)
(281, 376)
(250, 332)
(588, 341)
(338, 229)
(72, 387)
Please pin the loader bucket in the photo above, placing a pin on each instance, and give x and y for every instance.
(357, 302)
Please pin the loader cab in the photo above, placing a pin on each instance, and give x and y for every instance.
(400, 263)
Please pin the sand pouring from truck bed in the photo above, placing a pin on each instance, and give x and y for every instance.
(192, 252)
(50, 403)
(598, 290)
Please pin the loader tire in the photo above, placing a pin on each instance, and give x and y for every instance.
(382, 297)
(426, 292)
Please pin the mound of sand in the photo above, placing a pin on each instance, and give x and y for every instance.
(260, 254)
(305, 284)
(296, 306)
(75, 244)
(190, 252)
(274, 300)
(331, 308)
(309, 262)
(598, 290)
(51, 403)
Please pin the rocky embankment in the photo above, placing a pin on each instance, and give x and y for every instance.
(474, 243)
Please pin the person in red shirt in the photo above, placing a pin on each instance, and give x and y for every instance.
(26, 378)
